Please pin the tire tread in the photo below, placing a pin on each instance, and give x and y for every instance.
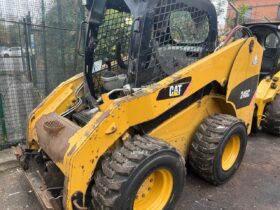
(271, 122)
(116, 169)
(206, 142)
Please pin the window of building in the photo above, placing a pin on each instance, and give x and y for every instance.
(278, 13)
(248, 15)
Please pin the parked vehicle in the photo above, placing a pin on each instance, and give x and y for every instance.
(11, 52)
(3, 48)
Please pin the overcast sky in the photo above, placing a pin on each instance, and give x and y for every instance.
(221, 4)
(15, 10)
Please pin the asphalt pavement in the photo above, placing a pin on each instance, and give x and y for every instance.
(256, 184)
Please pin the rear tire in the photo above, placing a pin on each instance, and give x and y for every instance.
(6, 56)
(218, 148)
(142, 173)
(271, 122)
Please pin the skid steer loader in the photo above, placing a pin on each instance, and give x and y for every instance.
(155, 92)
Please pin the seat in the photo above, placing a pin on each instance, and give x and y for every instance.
(269, 62)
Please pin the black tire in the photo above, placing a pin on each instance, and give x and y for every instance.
(6, 56)
(209, 144)
(271, 122)
(124, 170)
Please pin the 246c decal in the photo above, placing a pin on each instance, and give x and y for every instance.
(243, 94)
(174, 90)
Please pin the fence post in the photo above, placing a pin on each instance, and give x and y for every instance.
(27, 49)
(2, 120)
(80, 18)
(61, 43)
(21, 48)
(45, 49)
(31, 42)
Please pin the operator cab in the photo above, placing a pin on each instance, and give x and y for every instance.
(142, 42)
(131, 44)
(268, 35)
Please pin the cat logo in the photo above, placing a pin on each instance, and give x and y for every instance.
(175, 90)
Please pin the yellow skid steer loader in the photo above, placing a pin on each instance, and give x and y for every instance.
(156, 92)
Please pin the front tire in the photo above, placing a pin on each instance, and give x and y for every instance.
(271, 123)
(218, 148)
(143, 173)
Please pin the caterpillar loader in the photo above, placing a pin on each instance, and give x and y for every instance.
(156, 92)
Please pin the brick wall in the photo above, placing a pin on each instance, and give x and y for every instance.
(261, 9)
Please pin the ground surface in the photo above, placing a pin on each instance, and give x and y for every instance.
(255, 186)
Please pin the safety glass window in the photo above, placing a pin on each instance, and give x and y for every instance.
(113, 39)
(186, 28)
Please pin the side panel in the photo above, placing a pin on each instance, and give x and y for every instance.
(180, 129)
(243, 80)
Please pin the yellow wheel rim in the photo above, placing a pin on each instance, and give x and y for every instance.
(231, 152)
(155, 191)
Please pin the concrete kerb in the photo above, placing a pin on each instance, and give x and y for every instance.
(7, 160)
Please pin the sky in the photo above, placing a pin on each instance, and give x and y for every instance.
(15, 10)
(221, 5)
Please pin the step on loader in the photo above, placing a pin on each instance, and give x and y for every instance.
(157, 92)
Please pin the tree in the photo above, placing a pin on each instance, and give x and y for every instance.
(61, 27)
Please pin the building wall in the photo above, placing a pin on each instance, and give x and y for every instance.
(260, 9)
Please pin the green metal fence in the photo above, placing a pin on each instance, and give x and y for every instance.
(37, 52)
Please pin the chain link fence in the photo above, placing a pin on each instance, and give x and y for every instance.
(37, 52)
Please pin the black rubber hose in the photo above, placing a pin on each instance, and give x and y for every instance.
(120, 61)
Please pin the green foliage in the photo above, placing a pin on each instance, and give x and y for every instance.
(9, 35)
(186, 29)
(242, 13)
(61, 33)
(115, 29)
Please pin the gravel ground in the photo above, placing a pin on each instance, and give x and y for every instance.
(256, 185)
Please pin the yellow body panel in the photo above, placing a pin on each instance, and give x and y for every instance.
(246, 65)
(58, 101)
(179, 130)
(115, 117)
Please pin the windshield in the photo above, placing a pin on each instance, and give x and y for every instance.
(185, 30)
